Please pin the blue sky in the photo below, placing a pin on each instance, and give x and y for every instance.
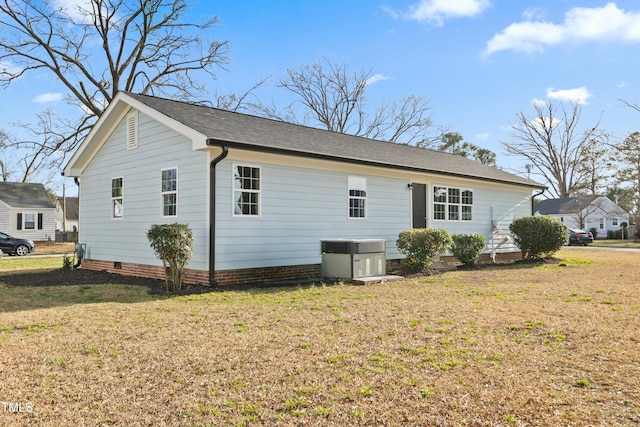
(480, 62)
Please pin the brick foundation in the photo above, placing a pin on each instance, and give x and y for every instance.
(254, 275)
(199, 277)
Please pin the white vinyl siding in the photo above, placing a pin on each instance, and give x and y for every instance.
(12, 221)
(300, 206)
(158, 148)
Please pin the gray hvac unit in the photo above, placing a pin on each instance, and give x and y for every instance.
(353, 258)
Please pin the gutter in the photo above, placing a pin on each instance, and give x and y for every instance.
(212, 208)
(533, 201)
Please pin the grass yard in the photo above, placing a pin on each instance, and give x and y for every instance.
(520, 345)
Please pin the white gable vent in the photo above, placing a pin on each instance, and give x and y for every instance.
(132, 130)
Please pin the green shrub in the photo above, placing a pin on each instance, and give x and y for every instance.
(617, 234)
(420, 245)
(538, 237)
(594, 232)
(67, 263)
(173, 244)
(467, 247)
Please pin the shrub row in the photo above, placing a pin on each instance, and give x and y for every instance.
(537, 237)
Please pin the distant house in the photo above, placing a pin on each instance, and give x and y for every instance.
(260, 196)
(27, 211)
(67, 214)
(585, 212)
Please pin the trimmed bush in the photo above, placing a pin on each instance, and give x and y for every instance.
(467, 247)
(173, 244)
(421, 245)
(617, 234)
(538, 237)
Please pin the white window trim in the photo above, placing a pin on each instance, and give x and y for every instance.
(132, 130)
(349, 197)
(24, 220)
(163, 193)
(234, 191)
(447, 204)
(113, 199)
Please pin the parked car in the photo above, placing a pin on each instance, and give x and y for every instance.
(15, 246)
(579, 237)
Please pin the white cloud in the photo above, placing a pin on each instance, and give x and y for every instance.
(581, 24)
(533, 13)
(538, 102)
(482, 136)
(436, 11)
(47, 97)
(376, 78)
(579, 95)
(78, 10)
(622, 85)
(7, 68)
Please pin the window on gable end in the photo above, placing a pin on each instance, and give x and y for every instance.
(117, 198)
(132, 130)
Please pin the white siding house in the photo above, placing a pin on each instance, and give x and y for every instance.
(27, 211)
(260, 195)
(586, 212)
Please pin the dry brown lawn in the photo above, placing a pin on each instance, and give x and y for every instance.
(520, 345)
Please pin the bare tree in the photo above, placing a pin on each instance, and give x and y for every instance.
(103, 46)
(336, 99)
(553, 144)
(628, 173)
(39, 154)
(596, 166)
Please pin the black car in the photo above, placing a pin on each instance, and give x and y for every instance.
(579, 237)
(15, 246)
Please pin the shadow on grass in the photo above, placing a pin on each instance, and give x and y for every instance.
(48, 288)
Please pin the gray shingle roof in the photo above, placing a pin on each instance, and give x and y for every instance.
(73, 206)
(563, 205)
(244, 131)
(25, 195)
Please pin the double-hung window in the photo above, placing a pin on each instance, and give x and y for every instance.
(452, 204)
(357, 197)
(246, 190)
(29, 221)
(117, 198)
(169, 192)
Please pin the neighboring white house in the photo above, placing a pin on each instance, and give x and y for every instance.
(67, 214)
(585, 212)
(260, 195)
(27, 211)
